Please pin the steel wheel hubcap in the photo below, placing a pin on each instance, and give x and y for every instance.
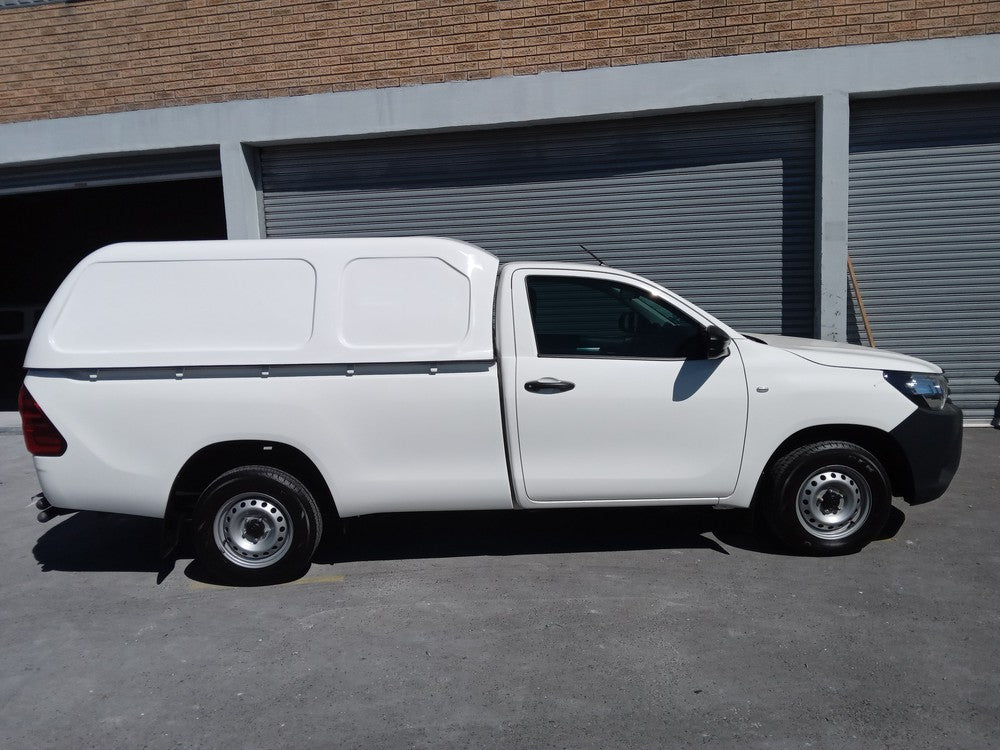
(833, 502)
(252, 530)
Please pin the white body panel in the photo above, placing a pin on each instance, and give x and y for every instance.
(835, 354)
(383, 441)
(789, 394)
(240, 306)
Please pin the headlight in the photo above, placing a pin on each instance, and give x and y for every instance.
(922, 388)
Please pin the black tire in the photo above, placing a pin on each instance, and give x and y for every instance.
(256, 525)
(828, 498)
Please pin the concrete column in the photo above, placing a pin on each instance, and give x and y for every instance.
(833, 120)
(241, 191)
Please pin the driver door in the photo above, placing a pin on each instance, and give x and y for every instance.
(615, 399)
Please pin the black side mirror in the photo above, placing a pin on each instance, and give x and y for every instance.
(716, 343)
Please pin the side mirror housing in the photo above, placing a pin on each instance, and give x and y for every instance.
(716, 343)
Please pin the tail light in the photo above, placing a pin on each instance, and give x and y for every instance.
(40, 435)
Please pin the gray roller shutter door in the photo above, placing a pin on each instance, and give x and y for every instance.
(716, 206)
(100, 172)
(925, 234)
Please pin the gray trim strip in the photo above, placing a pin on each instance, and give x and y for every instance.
(267, 371)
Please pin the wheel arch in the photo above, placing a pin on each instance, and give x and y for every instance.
(214, 460)
(877, 442)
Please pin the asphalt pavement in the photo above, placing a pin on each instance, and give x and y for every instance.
(632, 628)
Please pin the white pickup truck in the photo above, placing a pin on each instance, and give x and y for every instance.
(258, 387)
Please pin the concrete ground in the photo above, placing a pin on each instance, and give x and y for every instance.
(573, 629)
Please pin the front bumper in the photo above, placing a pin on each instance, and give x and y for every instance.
(932, 443)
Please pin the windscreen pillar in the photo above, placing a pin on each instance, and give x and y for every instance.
(833, 121)
(241, 191)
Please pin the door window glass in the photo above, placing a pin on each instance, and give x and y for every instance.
(587, 317)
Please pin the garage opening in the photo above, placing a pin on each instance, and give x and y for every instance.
(47, 233)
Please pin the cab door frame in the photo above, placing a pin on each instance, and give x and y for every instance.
(515, 339)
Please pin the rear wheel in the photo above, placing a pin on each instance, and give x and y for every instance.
(828, 498)
(257, 525)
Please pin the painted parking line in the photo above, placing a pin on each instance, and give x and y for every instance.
(201, 586)
(317, 579)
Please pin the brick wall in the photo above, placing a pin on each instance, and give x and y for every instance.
(109, 55)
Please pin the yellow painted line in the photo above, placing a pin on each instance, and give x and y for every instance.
(317, 579)
(200, 586)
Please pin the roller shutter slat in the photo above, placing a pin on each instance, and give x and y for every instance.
(163, 167)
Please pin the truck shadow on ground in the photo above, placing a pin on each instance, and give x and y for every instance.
(110, 542)
(409, 536)
(100, 542)
(465, 534)
(417, 535)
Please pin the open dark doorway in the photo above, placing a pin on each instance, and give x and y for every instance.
(47, 233)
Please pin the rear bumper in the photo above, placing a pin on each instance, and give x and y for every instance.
(932, 443)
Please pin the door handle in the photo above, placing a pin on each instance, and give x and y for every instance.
(549, 385)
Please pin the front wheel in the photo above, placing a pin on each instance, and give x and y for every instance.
(828, 498)
(257, 525)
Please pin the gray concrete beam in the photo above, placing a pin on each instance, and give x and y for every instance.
(607, 92)
(241, 191)
(833, 122)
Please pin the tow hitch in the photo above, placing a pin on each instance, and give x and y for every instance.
(47, 510)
